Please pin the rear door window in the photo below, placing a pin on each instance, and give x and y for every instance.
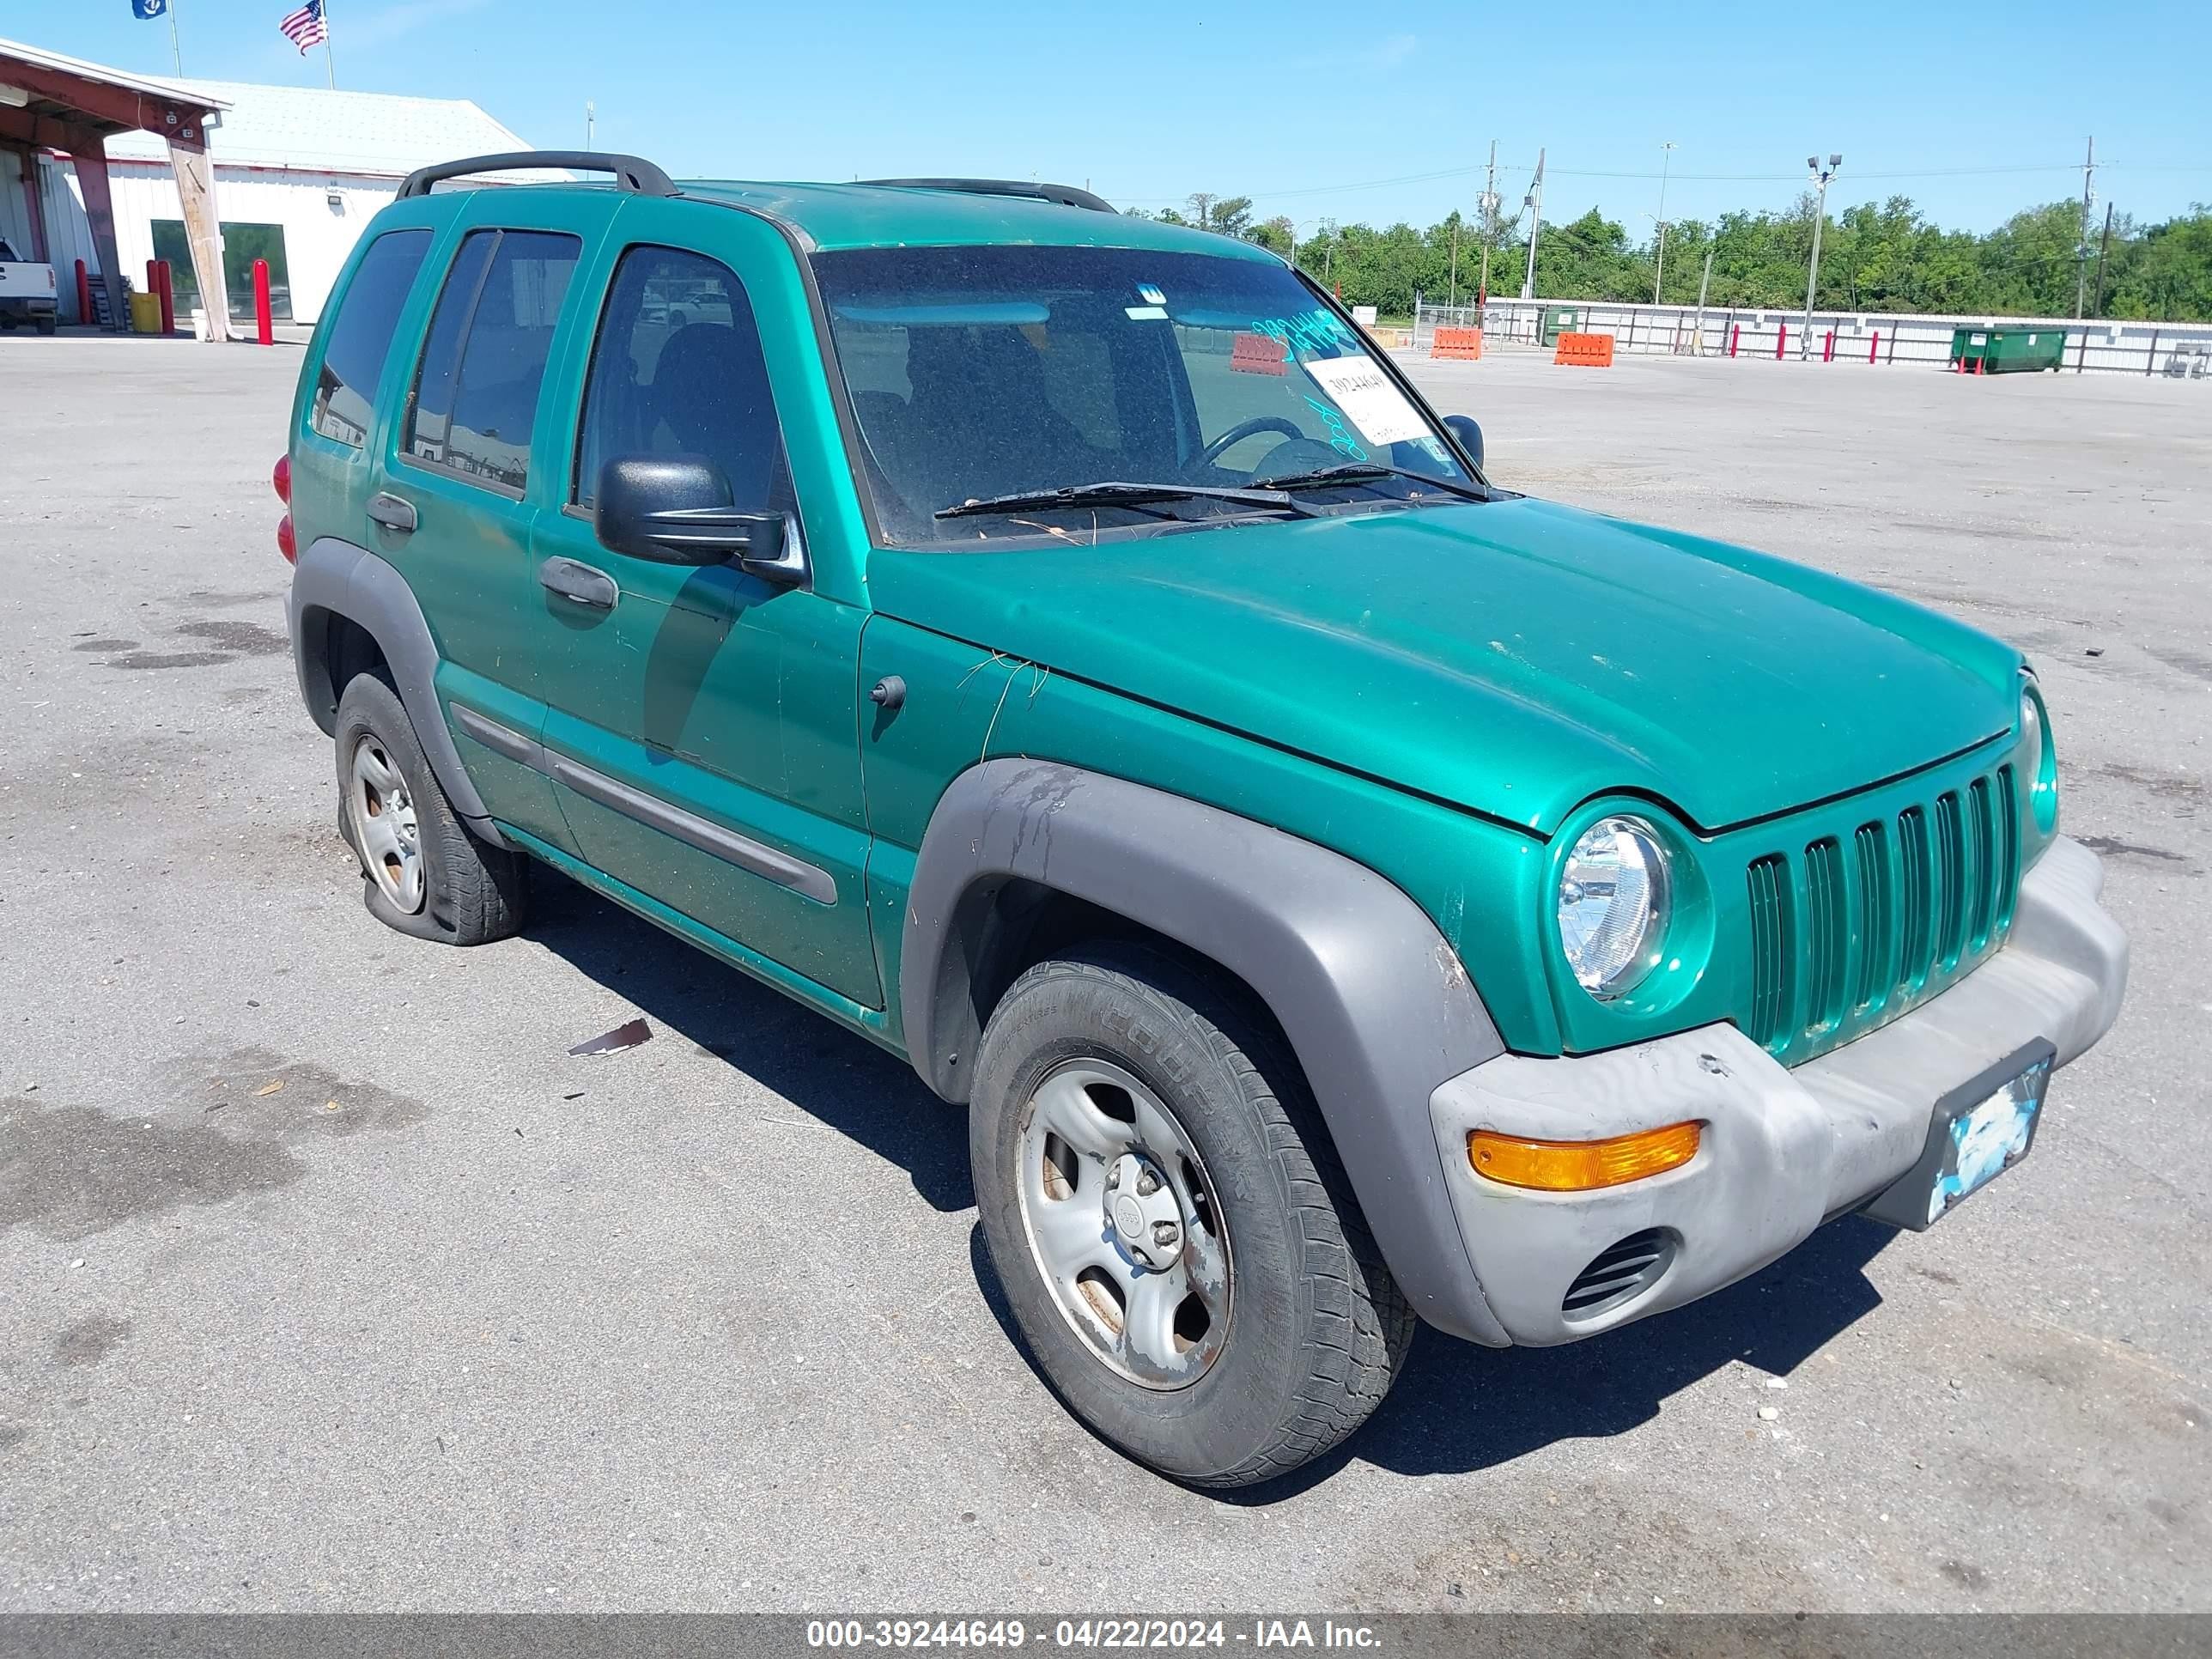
(361, 338)
(474, 405)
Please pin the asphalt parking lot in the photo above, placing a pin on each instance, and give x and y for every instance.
(450, 1320)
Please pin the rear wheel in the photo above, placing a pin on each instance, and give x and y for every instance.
(422, 872)
(1167, 1214)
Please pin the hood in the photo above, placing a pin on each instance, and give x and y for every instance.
(1514, 657)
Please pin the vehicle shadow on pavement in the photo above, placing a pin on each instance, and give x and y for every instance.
(1458, 1408)
(833, 1075)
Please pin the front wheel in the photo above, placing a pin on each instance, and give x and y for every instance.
(1167, 1214)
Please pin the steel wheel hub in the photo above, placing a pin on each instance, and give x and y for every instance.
(1123, 1224)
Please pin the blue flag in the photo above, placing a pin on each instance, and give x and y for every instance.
(148, 8)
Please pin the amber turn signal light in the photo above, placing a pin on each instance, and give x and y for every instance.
(1580, 1166)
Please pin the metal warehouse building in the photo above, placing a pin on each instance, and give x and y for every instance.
(296, 175)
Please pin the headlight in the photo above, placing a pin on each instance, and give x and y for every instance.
(2042, 759)
(1614, 901)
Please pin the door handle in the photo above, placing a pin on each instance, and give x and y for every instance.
(578, 583)
(393, 513)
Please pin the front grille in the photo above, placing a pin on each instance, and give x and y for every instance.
(1843, 940)
(1620, 1271)
(1874, 915)
(1828, 936)
(1769, 949)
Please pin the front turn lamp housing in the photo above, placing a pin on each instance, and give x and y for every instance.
(1580, 1166)
(1614, 901)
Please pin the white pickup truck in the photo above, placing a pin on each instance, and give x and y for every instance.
(26, 293)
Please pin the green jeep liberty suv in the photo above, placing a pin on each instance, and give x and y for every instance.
(1055, 646)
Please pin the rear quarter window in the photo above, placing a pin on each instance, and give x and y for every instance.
(361, 337)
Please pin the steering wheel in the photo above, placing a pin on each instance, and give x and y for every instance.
(1297, 455)
(1212, 454)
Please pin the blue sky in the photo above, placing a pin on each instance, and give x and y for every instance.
(1359, 114)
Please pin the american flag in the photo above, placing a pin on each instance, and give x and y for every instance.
(305, 28)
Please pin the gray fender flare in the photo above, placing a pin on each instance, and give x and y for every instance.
(335, 578)
(1375, 1002)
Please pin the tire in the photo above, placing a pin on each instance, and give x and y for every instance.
(463, 890)
(45, 324)
(1292, 1344)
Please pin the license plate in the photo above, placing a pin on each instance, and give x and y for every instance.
(1976, 1133)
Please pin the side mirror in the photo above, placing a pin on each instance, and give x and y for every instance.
(1462, 427)
(676, 509)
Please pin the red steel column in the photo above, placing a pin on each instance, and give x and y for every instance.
(264, 327)
(83, 295)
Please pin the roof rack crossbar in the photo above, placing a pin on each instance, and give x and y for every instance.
(1057, 195)
(632, 173)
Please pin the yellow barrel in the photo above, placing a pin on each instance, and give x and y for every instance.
(145, 313)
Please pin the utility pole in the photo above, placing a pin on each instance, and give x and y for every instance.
(1697, 335)
(1665, 160)
(1489, 226)
(2082, 242)
(2097, 306)
(1534, 203)
(1821, 177)
(591, 119)
(1453, 299)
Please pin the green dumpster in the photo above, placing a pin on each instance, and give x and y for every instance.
(2007, 350)
(1560, 320)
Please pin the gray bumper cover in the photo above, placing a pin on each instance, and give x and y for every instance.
(1782, 1149)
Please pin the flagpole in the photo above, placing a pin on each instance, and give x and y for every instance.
(175, 50)
(330, 59)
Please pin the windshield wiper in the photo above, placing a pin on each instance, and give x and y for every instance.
(1353, 472)
(1116, 493)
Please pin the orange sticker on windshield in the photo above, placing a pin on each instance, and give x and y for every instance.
(1257, 354)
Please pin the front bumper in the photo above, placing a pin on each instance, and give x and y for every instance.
(1782, 1149)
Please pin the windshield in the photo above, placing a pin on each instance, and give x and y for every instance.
(977, 372)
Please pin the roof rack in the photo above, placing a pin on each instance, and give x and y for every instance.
(633, 173)
(1057, 195)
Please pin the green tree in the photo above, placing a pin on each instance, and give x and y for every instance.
(1883, 256)
(2168, 272)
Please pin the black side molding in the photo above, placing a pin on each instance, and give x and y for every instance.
(1057, 195)
(632, 173)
